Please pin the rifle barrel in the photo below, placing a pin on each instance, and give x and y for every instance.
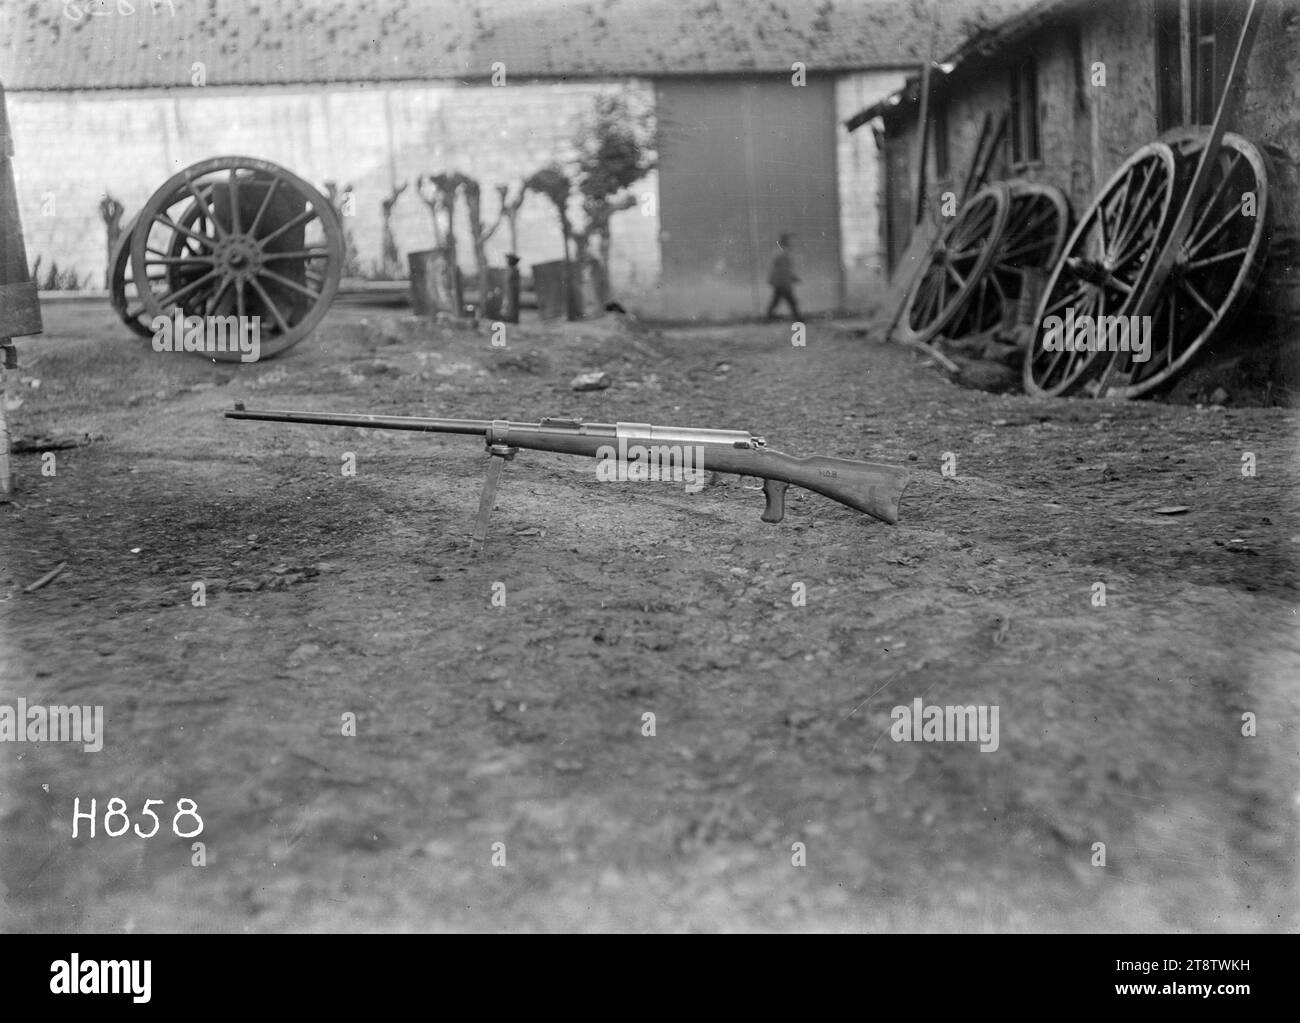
(419, 424)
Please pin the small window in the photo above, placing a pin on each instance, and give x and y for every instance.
(1169, 65)
(942, 165)
(1215, 25)
(1193, 54)
(1025, 145)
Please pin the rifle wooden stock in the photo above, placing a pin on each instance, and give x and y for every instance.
(864, 486)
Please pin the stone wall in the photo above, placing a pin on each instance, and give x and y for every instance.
(1088, 133)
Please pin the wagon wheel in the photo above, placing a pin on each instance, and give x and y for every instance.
(1104, 266)
(267, 246)
(122, 291)
(1216, 268)
(1037, 225)
(956, 265)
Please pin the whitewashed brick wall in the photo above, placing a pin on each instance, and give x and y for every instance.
(71, 147)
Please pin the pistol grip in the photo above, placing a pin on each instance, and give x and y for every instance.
(774, 491)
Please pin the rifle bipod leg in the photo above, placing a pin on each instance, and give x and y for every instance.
(501, 453)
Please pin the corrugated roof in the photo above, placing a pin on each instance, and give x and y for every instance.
(89, 44)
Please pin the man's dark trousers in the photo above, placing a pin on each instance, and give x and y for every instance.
(783, 293)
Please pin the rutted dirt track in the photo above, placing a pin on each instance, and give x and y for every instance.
(478, 724)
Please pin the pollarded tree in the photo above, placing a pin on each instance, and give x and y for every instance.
(390, 261)
(615, 146)
(510, 211)
(552, 182)
(478, 234)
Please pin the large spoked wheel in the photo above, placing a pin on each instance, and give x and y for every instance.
(123, 293)
(1216, 268)
(1105, 265)
(957, 265)
(1036, 229)
(259, 243)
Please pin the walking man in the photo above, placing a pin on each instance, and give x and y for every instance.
(783, 278)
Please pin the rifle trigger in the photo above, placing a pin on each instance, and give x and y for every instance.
(774, 491)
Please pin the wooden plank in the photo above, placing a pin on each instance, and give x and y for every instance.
(968, 187)
(980, 170)
(914, 257)
(923, 148)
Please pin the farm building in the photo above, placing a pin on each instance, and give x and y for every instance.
(114, 97)
(1084, 85)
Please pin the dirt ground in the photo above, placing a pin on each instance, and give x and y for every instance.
(477, 724)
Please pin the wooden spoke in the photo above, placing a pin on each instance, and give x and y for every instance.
(234, 202)
(269, 304)
(172, 297)
(203, 205)
(301, 218)
(285, 282)
(1186, 285)
(303, 254)
(214, 302)
(162, 260)
(1073, 298)
(1220, 257)
(266, 199)
(179, 228)
(1213, 199)
(1204, 240)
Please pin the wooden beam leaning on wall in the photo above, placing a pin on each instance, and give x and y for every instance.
(20, 310)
